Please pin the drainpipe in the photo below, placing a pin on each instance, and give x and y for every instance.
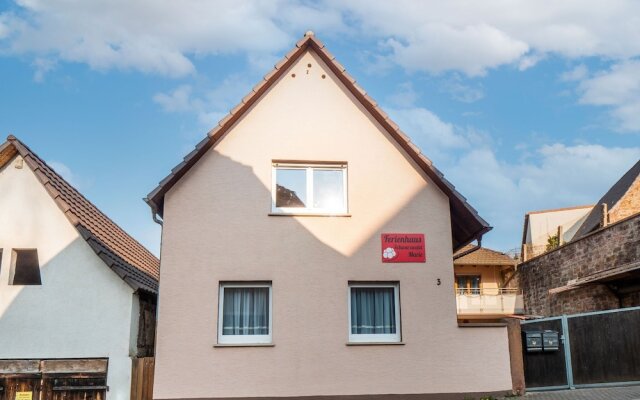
(154, 211)
(155, 218)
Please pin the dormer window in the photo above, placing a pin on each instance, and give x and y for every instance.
(314, 188)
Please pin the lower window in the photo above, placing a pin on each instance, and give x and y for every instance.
(244, 313)
(374, 312)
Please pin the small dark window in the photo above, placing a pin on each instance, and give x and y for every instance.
(25, 268)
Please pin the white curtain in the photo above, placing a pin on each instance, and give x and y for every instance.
(373, 311)
(246, 311)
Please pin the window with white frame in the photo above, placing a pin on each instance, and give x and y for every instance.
(309, 188)
(244, 313)
(374, 312)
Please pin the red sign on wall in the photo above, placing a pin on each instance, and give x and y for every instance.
(403, 247)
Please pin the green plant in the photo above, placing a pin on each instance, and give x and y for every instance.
(553, 242)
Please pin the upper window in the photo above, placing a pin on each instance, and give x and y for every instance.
(309, 188)
(374, 313)
(244, 313)
(25, 268)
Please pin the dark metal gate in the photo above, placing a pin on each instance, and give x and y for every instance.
(594, 349)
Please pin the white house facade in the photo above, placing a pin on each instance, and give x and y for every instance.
(74, 288)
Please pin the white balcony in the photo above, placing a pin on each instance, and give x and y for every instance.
(489, 302)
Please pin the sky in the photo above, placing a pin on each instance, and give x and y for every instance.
(523, 105)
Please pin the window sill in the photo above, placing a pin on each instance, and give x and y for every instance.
(276, 214)
(375, 343)
(244, 345)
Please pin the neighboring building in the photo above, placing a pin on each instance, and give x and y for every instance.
(599, 268)
(77, 294)
(540, 226)
(620, 202)
(278, 254)
(486, 285)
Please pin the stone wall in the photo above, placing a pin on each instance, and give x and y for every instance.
(613, 246)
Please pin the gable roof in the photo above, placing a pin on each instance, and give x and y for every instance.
(476, 255)
(611, 198)
(467, 225)
(123, 254)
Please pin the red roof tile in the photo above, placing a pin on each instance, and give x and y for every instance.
(474, 255)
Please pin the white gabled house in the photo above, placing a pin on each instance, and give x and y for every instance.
(77, 293)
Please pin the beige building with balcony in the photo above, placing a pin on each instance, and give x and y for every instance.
(486, 285)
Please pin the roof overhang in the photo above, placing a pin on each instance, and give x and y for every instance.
(627, 273)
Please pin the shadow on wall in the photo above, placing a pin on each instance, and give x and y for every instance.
(76, 312)
(217, 225)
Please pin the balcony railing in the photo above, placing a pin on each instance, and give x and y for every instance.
(490, 301)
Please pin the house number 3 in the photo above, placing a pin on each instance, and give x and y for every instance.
(438, 282)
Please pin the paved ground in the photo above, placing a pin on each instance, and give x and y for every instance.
(617, 393)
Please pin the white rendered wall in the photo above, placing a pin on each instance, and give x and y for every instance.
(82, 310)
(545, 224)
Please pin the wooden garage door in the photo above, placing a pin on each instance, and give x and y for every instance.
(81, 379)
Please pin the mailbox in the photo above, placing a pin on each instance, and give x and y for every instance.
(532, 341)
(550, 341)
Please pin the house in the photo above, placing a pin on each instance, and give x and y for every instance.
(599, 268)
(307, 251)
(77, 294)
(486, 285)
(559, 225)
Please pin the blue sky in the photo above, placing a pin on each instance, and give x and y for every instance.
(524, 108)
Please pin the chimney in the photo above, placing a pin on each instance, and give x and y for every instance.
(604, 217)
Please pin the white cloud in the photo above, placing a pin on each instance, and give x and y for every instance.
(42, 67)
(209, 105)
(503, 188)
(405, 96)
(463, 92)
(178, 100)
(471, 49)
(64, 171)
(4, 28)
(475, 36)
(155, 36)
(556, 175)
(578, 73)
(162, 36)
(619, 89)
(427, 129)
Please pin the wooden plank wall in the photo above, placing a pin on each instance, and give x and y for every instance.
(605, 347)
(142, 378)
